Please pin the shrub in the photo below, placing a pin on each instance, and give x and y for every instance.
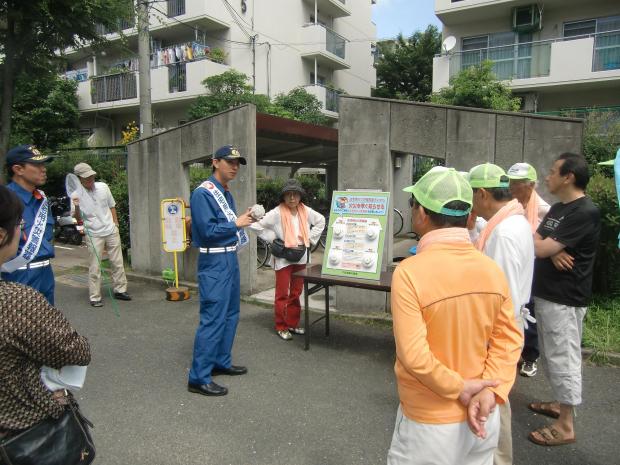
(606, 278)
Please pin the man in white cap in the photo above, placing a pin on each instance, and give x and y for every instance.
(523, 180)
(507, 239)
(457, 342)
(101, 225)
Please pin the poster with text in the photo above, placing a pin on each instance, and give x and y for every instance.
(355, 234)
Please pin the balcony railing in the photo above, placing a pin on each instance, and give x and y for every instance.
(331, 100)
(113, 87)
(177, 77)
(335, 43)
(533, 59)
(176, 8)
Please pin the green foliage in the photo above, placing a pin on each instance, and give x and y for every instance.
(218, 55)
(601, 331)
(477, 87)
(602, 190)
(601, 138)
(302, 105)
(231, 89)
(405, 66)
(119, 188)
(197, 175)
(45, 111)
(268, 191)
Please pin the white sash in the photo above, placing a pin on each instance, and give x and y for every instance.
(221, 201)
(35, 239)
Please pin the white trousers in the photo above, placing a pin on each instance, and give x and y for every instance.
(112, 244)
(503, 453)
(559, 339)
(416, 443)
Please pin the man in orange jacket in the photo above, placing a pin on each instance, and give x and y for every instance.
(457, 341)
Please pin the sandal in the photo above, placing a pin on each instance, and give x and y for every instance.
(549, 436)
(544, 408)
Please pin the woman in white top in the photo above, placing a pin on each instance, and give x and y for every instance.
(297, 225)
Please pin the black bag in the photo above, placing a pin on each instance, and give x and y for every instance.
(65, 441)
(292, 254)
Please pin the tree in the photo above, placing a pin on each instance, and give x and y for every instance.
(33, 32)
(478, 87)
(45, 111)
(302, 106)
(231, 89)
(405, 66)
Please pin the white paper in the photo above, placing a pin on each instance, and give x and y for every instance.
(68, 377)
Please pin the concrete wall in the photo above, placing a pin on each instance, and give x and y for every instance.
(373, 131)
(157, 168)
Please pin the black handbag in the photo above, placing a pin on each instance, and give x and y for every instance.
(65, 441)
(292, 254)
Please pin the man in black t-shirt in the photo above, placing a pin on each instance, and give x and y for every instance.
(565, 245)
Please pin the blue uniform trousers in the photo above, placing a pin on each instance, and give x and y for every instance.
(218, 281)
(41, 279)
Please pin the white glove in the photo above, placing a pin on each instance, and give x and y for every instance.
(257, 212)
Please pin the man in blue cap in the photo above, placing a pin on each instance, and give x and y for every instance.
(218, 232)
(31, 266)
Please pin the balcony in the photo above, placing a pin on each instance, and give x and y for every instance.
(182, 80)
(175, 8)
(114, 87)
(584, 59)
(333, 8)
(324, 46)
(328, 98)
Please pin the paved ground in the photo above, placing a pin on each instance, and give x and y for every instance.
(335, 404)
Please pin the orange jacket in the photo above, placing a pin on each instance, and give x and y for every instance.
(453, 320)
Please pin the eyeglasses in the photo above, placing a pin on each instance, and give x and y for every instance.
(22, 224)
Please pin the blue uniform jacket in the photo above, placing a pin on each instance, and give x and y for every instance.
(210, 227)
(31, 207)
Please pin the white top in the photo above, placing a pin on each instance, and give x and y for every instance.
(269, 228)
(511, 245)
(99, 222)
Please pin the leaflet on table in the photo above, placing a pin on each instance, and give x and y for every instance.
(355, 234)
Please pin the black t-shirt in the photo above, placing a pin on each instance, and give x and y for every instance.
(577, 225)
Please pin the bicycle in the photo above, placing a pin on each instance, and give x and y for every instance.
(263, 252)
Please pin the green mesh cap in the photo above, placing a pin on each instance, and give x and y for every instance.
(439, 187)
(487, 175)
(522, 171)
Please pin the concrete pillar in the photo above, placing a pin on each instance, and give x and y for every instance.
(365, 162)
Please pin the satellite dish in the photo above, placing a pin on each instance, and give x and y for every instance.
(448, 44)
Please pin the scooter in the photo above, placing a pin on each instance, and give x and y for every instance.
(67, 229)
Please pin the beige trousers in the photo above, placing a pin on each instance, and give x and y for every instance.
(111, 244)
(503, 453)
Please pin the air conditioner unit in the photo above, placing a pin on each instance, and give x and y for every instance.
(526, 18)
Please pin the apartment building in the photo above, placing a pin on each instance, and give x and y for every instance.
(556, 54)
(322, 45)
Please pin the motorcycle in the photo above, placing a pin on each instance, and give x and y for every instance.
(67, 229)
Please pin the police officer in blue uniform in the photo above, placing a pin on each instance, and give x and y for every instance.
(31, 266)
(217, 231)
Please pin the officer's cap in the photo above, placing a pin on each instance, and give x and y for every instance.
(25, 154)
(228, 152)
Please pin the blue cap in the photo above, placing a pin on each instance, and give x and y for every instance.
(228, 152)
(25, 154)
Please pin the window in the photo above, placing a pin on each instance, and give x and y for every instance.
(606, 41)
(579, 28)
(177, 78)
(510, 52)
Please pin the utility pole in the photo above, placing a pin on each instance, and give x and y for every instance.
(144, 69)
(253, 42)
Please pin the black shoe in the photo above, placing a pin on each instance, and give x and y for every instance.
(210, 389)
(96, 303)
(232, 371)
(122, 296)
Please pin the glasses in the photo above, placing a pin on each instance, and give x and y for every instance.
(22, 224)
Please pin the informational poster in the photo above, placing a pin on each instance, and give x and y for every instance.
(355, 234)
(174, 234)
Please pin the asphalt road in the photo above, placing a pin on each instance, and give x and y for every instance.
(335, 404)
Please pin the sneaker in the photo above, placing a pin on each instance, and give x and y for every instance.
(297, 330)
(285, 334)
(528, 369)
(96, 303)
